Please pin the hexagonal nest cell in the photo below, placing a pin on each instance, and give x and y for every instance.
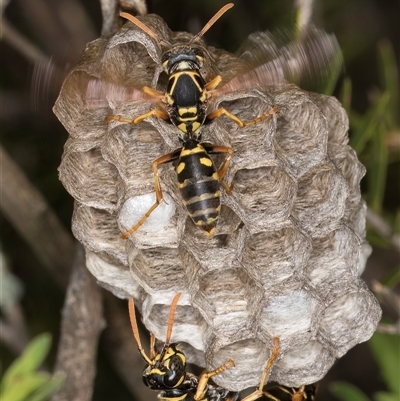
(289, 247)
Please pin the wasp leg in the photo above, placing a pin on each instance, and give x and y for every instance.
(286, 392)
(152, 92)
(155, 112)
(221, 111)
(213, 83)
(206, 376)
(259, 391)
(215, 149)
(271, 397)
(170, 157)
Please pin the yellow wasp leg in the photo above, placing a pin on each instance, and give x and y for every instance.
(155, 112)
(206, 376)
(221, 111)
(152, 92)
(259, 393)
(298, 395)
(213, 83)
(157, 187)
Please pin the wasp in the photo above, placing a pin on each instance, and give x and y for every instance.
(282, 393)
(188, 99)
(166, 370)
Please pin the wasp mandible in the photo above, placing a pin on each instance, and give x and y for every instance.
(166, 370)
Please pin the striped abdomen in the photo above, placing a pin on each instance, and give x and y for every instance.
(199, 186)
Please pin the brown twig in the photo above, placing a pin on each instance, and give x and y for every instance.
(390, 298)
(82, 323)
(25, 207)
(110, 10)
(32, 217)
(20, 43)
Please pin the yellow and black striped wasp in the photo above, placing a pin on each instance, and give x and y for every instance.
(283, 393)
(189, 99)
(166, 370)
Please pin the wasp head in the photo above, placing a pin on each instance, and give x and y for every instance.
(181, 58)
(168, 369)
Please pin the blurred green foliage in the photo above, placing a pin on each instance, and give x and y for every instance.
(372, 133)
(385, 348)
(23, 381)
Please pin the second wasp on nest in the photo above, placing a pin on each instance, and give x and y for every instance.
(166, 372)
(289, 247)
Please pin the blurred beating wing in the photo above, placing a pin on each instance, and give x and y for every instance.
(100, 93)
(304, 57)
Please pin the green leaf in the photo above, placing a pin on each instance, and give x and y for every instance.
(397, 221)
(389, 80)
(345, 94)
(377, 168)
(369, 123)
(393, 278)
(385, 348)
(48, 389)
(347, 392)
(23, 386)
(32, 357)
(377, 240)
(381, 396)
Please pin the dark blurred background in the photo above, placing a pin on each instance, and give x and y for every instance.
(58, 31)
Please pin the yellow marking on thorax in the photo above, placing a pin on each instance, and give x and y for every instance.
(195, 126)
(187, 110)
(182, 127)
(176, 75)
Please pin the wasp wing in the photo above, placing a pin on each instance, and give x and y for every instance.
(100, 93)
(307, 56)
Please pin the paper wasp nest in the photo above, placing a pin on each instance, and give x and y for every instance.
(289, 248)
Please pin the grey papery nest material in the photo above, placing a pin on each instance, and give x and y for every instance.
(289, 248)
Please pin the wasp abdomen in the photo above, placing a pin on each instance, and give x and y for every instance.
(199, 186)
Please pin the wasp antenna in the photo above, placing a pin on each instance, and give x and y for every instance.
(170, 324)
(153, 351)
(212, 21)
(132, 316)
(144, 28)
(172, 316)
